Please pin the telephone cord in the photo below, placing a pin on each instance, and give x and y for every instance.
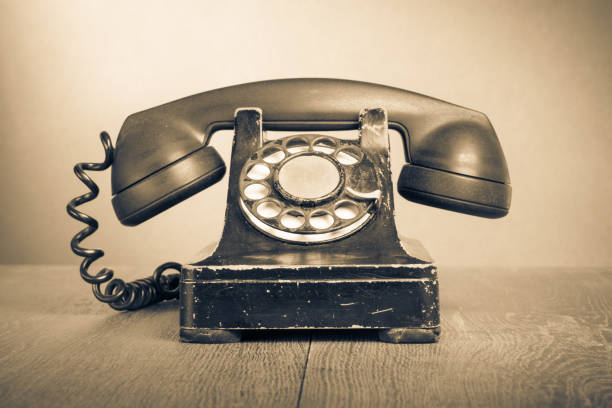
(120, 295)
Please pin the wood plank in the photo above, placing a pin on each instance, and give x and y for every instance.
(59, 347)
(509, 338)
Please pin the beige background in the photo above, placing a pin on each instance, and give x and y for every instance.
(540, 70)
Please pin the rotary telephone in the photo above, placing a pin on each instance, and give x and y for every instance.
(309, 239)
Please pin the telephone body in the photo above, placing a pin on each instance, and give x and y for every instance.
(327, 256)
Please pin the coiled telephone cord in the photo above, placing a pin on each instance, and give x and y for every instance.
(117, 293)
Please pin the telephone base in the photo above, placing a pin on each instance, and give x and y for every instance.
(399, 299)
(264, 276)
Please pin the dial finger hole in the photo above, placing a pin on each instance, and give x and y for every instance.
(346, 210)
(297, 145)
(321, 219)
(256, 191)
(273, 154)
(258, 172)
(293, 219)
(268, 209)
(324, 145)
(349, 156)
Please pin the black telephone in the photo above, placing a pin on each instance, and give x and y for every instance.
(325, 255)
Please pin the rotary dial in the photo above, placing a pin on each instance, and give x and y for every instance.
(309, 189)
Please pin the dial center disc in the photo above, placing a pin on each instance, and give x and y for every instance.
(309, 176)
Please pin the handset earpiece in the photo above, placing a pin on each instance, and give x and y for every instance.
(460, 167)
(454, 192)
(161, 189)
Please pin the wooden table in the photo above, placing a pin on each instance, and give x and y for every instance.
(510, 337)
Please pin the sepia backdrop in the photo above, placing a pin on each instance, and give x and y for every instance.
(540, 70)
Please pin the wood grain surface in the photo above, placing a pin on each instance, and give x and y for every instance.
(524, 337)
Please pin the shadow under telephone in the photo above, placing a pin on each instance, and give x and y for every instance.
(322, 252)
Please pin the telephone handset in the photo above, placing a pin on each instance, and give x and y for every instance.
(162, 156)
(454, 159)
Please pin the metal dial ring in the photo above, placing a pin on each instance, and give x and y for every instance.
(337, 213)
